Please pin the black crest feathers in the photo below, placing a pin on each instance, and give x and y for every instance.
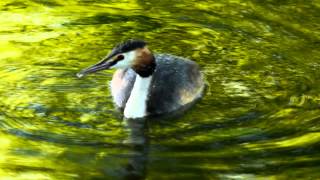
(130, 45)
(127, 46)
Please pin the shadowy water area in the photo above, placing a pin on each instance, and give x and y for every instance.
(259, 117)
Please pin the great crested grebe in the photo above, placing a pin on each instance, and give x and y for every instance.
(146, 84)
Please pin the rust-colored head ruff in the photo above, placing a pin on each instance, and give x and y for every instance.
(144, 63)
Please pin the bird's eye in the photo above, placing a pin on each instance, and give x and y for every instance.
(120, 57)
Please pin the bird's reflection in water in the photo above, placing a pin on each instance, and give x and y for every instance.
(139, 143)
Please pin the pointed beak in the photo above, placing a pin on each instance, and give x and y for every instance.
(105, 63)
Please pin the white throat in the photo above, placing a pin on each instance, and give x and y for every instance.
(136, 106)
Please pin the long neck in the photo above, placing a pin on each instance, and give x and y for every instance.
(136, 106)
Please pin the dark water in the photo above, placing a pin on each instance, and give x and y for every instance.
(259, 118)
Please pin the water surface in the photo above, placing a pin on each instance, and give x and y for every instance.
(259, 117)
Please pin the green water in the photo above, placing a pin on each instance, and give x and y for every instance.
(259, 118)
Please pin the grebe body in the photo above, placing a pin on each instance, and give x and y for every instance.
(145, 84)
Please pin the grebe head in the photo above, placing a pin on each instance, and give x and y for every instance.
(130, 54)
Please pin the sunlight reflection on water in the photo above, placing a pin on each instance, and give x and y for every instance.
(258, 118)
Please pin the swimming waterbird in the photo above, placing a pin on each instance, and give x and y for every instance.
(147, 84)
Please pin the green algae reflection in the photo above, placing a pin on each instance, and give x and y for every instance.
(259, 118)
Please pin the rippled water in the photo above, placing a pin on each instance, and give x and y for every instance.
(259, 117)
